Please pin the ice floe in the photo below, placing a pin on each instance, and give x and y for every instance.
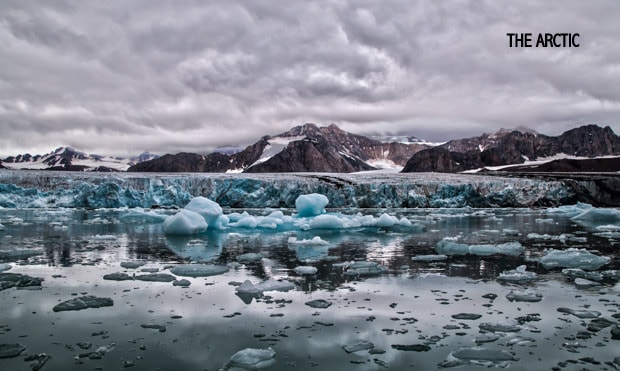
(573, 258)
(83, 302)
(316, 240)
(524, 296)
(198, 270)
(448, 247)
(519, 274)
(185, 222)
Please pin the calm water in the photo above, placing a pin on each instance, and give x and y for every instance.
(206, 323)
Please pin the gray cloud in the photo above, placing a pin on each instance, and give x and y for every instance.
(120, 77)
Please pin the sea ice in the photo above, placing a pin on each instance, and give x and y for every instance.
(518, 274)
(252, 358)
(448, 247)
(198, 270)
(305, 270)
(209, 210)
(311, 205)
(525, 296)
(185, 222)
(573, 258)
(83, 302)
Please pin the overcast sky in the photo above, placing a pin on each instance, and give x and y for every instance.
(120, 77)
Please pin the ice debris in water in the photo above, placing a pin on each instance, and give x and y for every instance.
(83, 302)
(599, 215)
(364, 268)
(356, 347)
(305, 270)
(429, 258)
(316, 240)
(569, 210)
(572, 273)
(140, 215)
(478, 356)
(448, 247)
(319, 303)
(526, 296)
(573, 258)
(11, 350)
(250, 257)
(5, 267)
(311, 205)
(582, 283)
(251, 358)
(185, 222)
(247, 287)
(499, 327)
(339, 221)
(198, 270)
(580, 313)
(519, 274)
(209, 210)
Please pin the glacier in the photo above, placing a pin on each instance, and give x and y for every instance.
(45, 189)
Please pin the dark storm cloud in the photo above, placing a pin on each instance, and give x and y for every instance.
(121, 77)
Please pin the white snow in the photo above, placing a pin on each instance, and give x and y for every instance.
(573, 258)
(185, 222)
(275, 145)
(311, 205)
(538, 161)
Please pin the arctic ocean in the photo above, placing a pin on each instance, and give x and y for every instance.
(306, 271)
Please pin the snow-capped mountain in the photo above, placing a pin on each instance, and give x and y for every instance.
(306, 148)
(515, 147)
(68, 158)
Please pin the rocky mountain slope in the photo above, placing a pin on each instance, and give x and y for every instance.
(70, 159)
(306, 148)
(514, 147)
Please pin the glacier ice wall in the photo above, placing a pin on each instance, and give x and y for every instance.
(113, 190)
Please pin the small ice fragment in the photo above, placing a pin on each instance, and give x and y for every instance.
(319, 303)
(156, 277)
(160, 328)
(573, 258)
(429, 258)
(117, 277)
(209, 210)
(252, 358)
(572, 273)
(104, 237)
(305, 270)
(8, 280)
(518, 274)
(582, 283)
(488, 337)
(5, 267)
(182, 283)
(316, 240)
(499, 327)
(250, 257)
(132, 265)
(467, 316)
(83, 302)
(11, 350)
(524, 296)
(598, 324)
(247, 287)
(412, 347)
(198, 270)
(356, 347)
(311, 205)
(483, 354)
(580, 313)
(328, 222)
(365, 268)
(185, 222)
(599, 215)
(449, 247)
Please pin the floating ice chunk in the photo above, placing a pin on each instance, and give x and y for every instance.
(252, 358)
(311, 205)
(132, 264)
(156, 277)
(198, 270)
(499, 327)
(365, 268)
(1, 227)
(428, 258)
(83, 302)
(487, 337)
(526, 296)
(185, 222)
(447, 247)
(245, 222)
(518, 274)
(305, 270)
(596, 214)
(573, 258)
(569, 210)
(580, 313)
(247, 287)
(582, 283)
(5, 267)
(331, 222)
(483, 354)
(319, 303)
(608, 227)
(235, 217)
(385, 220)
(572, 273)
(11, 350)
(356, 347)
(510, 232)
(140, 215)
(316, 240)
(250, 257)
(104, 237)
(209, 210)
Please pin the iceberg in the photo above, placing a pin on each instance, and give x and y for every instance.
(209, 210)
(185, 222)
(573, 258)
(311, 205)
(449, 247)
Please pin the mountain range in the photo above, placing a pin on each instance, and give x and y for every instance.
(310, 148)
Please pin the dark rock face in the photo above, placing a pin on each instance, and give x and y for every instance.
(504, 148)
(310, 149)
